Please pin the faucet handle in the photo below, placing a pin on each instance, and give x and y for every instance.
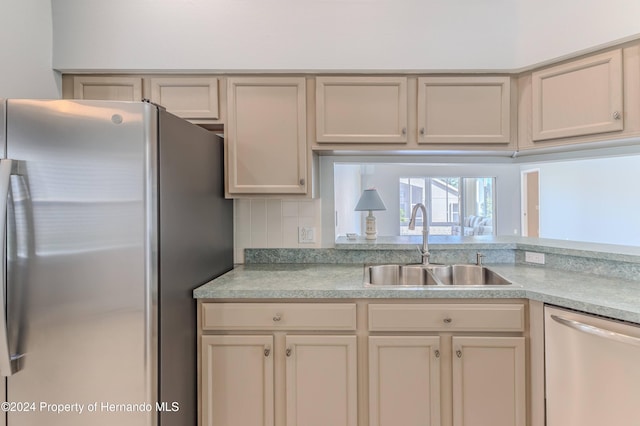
(479, 257)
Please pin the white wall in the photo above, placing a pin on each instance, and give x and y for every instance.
(593, 200)
(283, 34)
(26, 50)
(229, 35)
(550, 29)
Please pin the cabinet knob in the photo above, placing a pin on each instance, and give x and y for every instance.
(267, 351)
(437, 353)
(447, 320)
(459, 353)
(404, 131)
(422, 131)
(277, 318)
(617, 115)
(288, 352)
(301, 182)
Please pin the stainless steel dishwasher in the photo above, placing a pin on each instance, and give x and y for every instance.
(592, 368)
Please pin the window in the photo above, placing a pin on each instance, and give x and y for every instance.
(444, 199)
(456, 205)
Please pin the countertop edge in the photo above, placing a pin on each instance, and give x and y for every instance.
(608, 297)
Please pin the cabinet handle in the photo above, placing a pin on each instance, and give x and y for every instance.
(288, 352)
(301, 182)
(422, 131)
(459, 353)
(267, 351)
(617, 115)
(404, 131)
(437, 353)
(447, 320)
(277, 318)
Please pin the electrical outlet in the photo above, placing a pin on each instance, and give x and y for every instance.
(306, 234)
(532, 257)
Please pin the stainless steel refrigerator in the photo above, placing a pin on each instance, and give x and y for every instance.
(114, 213)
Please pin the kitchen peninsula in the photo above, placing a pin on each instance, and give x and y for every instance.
(314, 303)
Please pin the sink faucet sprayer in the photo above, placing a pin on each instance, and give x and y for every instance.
(424, 250)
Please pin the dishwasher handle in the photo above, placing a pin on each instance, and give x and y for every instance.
(597, 331)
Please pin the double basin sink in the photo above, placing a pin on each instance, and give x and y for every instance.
(432, 274)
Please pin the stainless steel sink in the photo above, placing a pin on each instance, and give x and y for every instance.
(408, 275)
(437, 275)
(467, 275)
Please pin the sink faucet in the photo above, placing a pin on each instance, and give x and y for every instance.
(424, 250)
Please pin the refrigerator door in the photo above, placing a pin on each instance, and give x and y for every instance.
(80, 286)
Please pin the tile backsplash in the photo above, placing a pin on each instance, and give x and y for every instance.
(269, 223)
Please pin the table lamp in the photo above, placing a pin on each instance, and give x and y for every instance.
(370, 200)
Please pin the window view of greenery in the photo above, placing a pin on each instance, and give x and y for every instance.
(455, 206)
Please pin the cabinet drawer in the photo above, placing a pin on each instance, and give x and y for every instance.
(473, 317)
(278, 316)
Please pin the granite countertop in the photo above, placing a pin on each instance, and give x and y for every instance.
(611, 297)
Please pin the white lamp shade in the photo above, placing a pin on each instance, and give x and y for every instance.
(370, 200)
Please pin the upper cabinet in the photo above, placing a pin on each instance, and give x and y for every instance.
(391, 113)
(265, 135)
(577, 98)
(593, 101)
(194, 98)
(276, 124)
(361, 109)
(107, 88)
(461, 110)
(187, 97)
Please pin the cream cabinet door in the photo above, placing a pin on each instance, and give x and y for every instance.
(489, 381)
(266, 135)
(191, 98)
(237, 381)
(578, 98)
(361, 109)
(404, 381)
(464, 110)
(321, 382)
(107, 88)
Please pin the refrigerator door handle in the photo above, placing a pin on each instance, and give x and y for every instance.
(8, 364)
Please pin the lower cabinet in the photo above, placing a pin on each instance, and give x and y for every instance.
(488, 378)
(420, 364)
(489, 381)
(278, 364)
(321, 381)
(464, 364)
(404, 380)
(237, 380)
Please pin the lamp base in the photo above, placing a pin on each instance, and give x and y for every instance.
(370, 230)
